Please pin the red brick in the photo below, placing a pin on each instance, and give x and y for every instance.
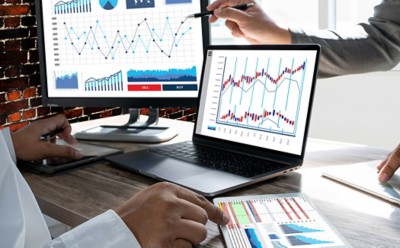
(34, 80)
(182, 118)
(14, 117)
(13, 57)
(189, 111)
(13, 1)
(43, 111)
(29, 92)
(107, 113)
(73, 113)
(13, 96)
(116, 111)
(144, 111)
(13, 83)
(90, 111)
(2, 97)
(14, 106)
(12, 45)
(3, 120)
(10, 10)
(14, 127)
(12, 71)
(33, 56)
(12, 22)
(29, 114)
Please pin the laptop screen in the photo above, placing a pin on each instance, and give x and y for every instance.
(258, 95)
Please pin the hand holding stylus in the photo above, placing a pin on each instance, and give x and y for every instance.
(242, 7)
(254, 24)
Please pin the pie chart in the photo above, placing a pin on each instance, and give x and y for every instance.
(108, 4)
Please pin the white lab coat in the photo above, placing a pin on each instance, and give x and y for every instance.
(23, 225)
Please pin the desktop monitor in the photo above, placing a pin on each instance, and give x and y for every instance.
(121, 53)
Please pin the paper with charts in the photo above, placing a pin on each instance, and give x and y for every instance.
(279, 220)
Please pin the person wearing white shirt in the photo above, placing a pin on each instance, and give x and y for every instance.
(163, 215)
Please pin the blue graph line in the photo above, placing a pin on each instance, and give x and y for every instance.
(95, 36)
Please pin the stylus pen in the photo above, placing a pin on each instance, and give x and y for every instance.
(50, 135)
(239, 7)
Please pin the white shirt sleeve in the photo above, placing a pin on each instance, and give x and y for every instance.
(22, 224)
(105, 230)
(7, 138)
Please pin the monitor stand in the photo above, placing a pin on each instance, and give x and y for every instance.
(133, 131)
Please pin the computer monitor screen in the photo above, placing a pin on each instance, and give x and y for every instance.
(126, 53)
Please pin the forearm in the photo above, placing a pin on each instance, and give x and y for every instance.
(372, 46)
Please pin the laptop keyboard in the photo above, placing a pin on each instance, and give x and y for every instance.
(238, 164)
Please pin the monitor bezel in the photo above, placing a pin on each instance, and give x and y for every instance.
(123, 102)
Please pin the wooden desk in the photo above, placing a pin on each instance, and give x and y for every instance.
(364, 220)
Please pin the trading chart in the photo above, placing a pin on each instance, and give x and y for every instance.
(259, 97)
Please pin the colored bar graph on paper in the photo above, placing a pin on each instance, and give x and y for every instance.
(285, 220)
(240, 213)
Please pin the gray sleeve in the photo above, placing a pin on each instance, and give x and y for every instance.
(367, 47)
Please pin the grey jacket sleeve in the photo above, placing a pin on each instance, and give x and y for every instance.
(367, 47)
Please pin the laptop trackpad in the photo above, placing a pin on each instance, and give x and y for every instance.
(157, 166)
(173, 169)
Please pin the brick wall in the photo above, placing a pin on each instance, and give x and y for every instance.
(20, 91)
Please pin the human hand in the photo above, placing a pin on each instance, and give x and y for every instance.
(253, 24)
(167, 215)
(29, 146)
(389, 166)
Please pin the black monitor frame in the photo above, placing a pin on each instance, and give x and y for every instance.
(128, 102)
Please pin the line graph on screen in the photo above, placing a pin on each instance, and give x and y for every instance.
(261, 93)
(161, 39)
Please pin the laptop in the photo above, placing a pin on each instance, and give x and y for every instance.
(254, 109)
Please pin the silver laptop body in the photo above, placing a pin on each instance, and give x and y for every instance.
(254, 102)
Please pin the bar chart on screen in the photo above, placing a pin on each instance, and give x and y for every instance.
(283, 220)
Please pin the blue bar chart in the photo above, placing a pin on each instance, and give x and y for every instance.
(113, 82)
(73, 6)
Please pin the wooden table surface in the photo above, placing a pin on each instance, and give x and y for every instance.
(364, 220)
